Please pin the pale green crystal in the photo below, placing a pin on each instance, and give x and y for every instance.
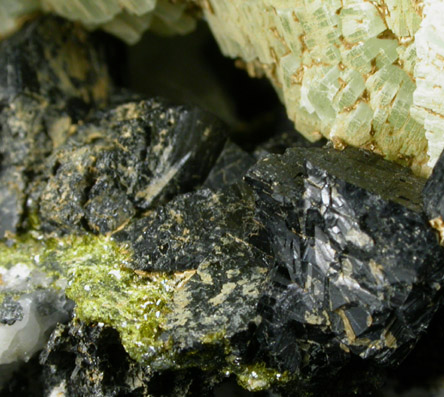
(359, 72)
(127, 19)
(12, 11)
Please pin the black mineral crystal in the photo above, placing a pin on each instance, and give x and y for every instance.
(358, 270)
(43, 94)
(433, 196)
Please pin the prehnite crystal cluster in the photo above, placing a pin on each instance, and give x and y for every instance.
(361, 73)
(365, 73)
(127, 19)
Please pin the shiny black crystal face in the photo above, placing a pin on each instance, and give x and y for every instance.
(433, 194)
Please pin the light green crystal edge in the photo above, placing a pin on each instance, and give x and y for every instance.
(355, 71)
(127, 19)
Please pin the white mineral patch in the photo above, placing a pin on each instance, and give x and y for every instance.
(20, 340)
(59, 390)
(42, 308)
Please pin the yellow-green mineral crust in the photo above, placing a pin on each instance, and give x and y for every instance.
(366, 73)
(106, 292)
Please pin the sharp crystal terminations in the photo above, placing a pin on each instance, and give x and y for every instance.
(362, 73)
(127, 19)
(317, 259)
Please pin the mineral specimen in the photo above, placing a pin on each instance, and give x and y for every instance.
(126, 160)
(32, 302)
(361, 73)
(434, 198)
(181, 235)
(47, 83)
(187, 259)
(231, 166)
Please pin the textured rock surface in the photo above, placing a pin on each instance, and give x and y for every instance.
(124, 161)
(353, 276)
(182, 234)
(434, 198)
(90, 361)
(47, 83)
(319, 264)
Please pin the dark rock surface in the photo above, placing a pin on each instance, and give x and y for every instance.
(229, 280)
(90, 169)
(10, 311)
(51, 74)
(180, 235)
(81, 360)
(231, 166)
(434, 198)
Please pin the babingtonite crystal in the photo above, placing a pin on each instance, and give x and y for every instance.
(434, 198)
(43, 94)
(358, 271)
(126, 160)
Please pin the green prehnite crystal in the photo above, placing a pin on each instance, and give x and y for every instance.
(127, 19)
(361, 73)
